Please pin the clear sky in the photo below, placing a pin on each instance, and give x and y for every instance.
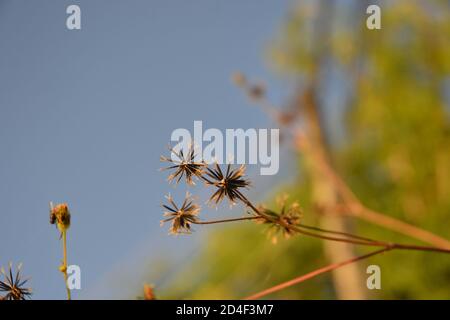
(85, 115)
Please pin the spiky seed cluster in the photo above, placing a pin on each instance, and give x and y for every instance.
(181, 217)
(185, 166)
(13, 285)
(228, 185)
(60, 215)
(283, 222)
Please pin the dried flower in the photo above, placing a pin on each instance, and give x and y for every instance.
(13, 286)
(284, 221)
(60, 215)
(185, 165)
(227, 185)
(181, 217)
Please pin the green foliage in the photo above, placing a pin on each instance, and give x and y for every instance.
(397, 157)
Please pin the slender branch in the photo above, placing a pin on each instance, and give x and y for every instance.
(374, 243)
(336, 232)
(361, 212)
(357, 240)
(311, 234)
(227, 220)
(366, 240)
(313, 274)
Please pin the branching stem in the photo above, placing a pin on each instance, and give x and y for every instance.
(347, 237)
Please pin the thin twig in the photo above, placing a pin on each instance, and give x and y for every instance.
(227, 220)
(337, 232)
(356, 239)
(313, 274)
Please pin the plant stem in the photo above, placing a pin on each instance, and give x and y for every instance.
(349, 235)
(227, 220)
(361, 241)
(64, 235)
(357, 240)
(313, 274)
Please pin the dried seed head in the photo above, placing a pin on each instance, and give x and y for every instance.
(13, 285)
(185, 166)
(283, 222)
(228, 185)
(181, 217)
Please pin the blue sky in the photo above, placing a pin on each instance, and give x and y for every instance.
(85, 115)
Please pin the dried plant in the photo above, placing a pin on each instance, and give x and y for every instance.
(13, 284)
(184, 165)
(228, 185)
(60, 215)
(285, 221)
(181, 217)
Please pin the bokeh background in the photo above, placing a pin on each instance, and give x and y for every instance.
(85, 115)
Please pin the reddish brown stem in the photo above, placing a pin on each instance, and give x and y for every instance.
(313, 274)
(227, 220)
(356, 239)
